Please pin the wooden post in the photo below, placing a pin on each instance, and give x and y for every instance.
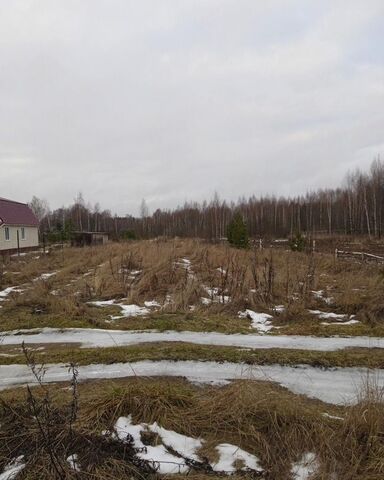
(313, 245)
(18, 243)
(336, 254)
(260, 244)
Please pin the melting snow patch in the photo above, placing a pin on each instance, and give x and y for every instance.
(72, 460)
(334, 316)
(103, 303)
(164, 461)
(206, 301)
(184, 263)
(215, 296)
(231, 455)
(152, 304)
(305, 467)
(319, 294)
(279, 308)
(12, 469)
(126, 310)
(176, 450)
(45, 276)
(8, 291)
(135, 272)
(338, 317)
(130, 311)
(260, 321)
(349, 322)
(182, 444)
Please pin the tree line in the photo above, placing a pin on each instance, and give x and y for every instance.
(356, 207)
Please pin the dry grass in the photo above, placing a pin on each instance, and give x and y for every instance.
(261, 418)
(154, 270)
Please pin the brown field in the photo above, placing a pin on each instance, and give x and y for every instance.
(56, 421)
(253, 279)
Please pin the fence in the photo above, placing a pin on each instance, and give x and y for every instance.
(363, 256)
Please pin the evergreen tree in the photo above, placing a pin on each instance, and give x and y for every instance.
(237, 232)
(298, 242)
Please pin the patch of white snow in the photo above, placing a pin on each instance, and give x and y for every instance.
(12, 469)
(306, 467)
(260, 321)
(162, 460)
(231, 454)
(126, 310)
(72, 460)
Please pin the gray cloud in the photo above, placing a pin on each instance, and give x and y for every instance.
(171, 101)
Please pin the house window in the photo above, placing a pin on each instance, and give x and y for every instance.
(6, 232)
(22, 233)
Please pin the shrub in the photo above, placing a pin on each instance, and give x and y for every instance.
(128, 235)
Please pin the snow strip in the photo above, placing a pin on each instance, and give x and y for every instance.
(348, 322)
(338, 317)
(329, 315)
(336, 385)
(92, 338)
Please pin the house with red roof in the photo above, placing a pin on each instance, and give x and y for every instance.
(19, 227)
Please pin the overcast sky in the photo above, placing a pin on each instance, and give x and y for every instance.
(172, 100)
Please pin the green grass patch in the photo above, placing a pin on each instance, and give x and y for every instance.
(363, 357)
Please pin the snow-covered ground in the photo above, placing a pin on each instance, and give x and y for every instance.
(336, 385)
(109, 338)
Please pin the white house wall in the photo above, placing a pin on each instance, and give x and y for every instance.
(31, 237)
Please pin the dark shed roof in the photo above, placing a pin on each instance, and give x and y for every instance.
(16, 213)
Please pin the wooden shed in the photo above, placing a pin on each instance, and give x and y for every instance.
(83, 239)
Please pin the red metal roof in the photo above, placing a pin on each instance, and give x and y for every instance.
(16, 213)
